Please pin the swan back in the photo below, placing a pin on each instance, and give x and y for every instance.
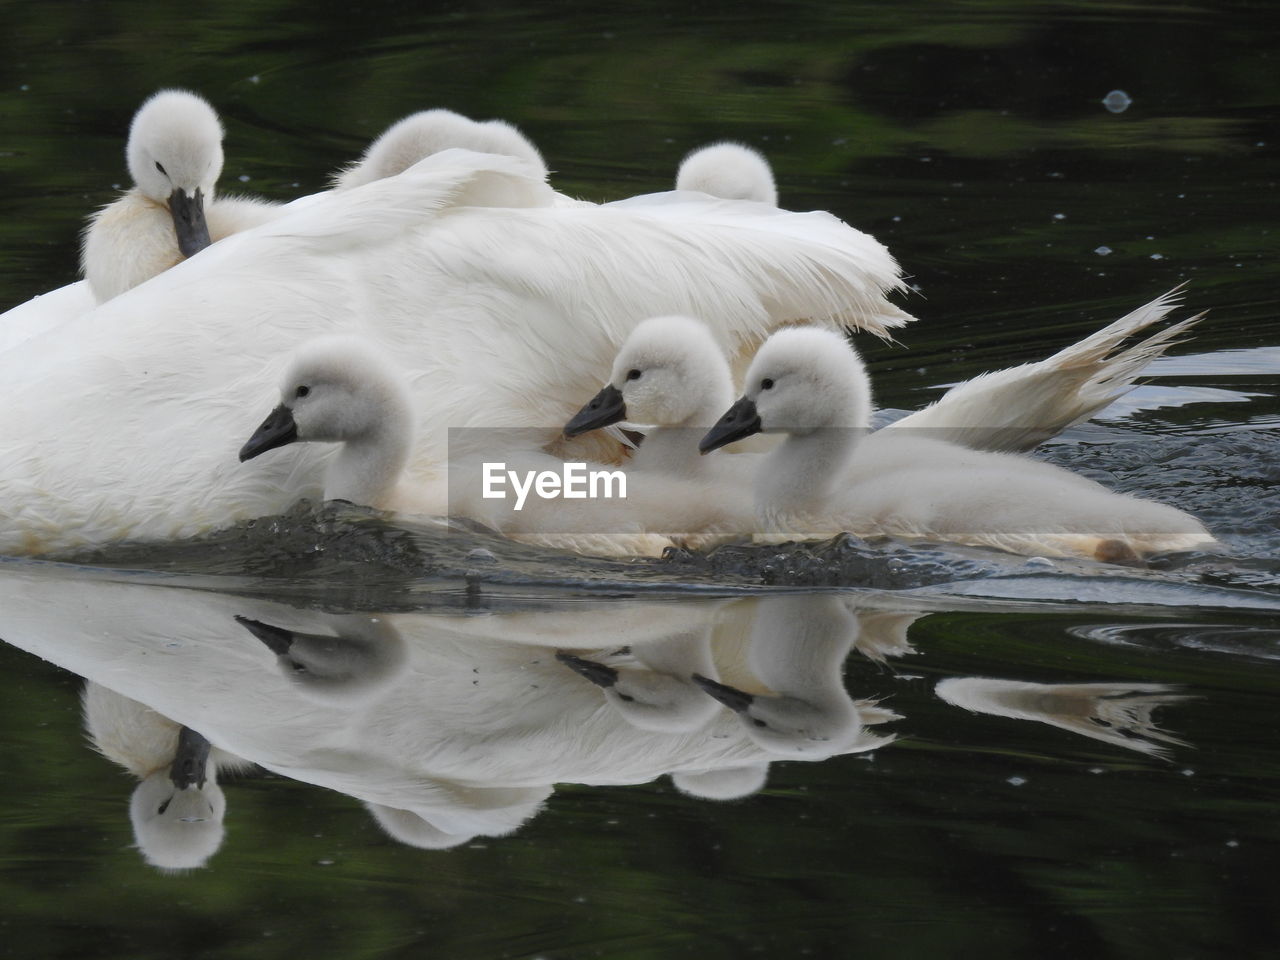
(175, 143)
(729, 170)
(428, 132)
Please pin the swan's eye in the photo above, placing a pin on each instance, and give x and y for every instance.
(633, 374)
(161, 169)
(302, 391)
(163, 807)
(766, 383)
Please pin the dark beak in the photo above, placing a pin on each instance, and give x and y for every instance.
(606, 407)
(741, 420)
(277, 639)
(277, 430)
(189, 222)
(597, 673)
(190, 761)
(733, 698)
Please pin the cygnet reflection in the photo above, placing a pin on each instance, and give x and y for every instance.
(797, 650)
(728, 783)
(650, 684)
(359, 659)
(177, 808)
(474, 813)
(1115, 713)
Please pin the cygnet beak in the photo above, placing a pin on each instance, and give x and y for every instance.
(733, 698)
(189, 222)
(277, 430)
(278, 639)
(740, 420)
(190, 761)
(597, 673)
(605, 407)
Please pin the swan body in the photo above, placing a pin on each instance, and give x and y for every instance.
(174, 154)
(500, 316)
(43, 313)
(176, 814)
(729, 170)
(826, 476)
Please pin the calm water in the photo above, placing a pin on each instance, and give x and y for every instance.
(924, 760)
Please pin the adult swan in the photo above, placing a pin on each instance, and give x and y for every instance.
(501, 307)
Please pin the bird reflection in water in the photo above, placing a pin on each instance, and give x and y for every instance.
(457, 724)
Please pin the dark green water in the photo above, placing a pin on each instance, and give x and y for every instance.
(969, 137)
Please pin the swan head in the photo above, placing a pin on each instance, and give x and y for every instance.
(175, 158)
(670, 370)
(177, 828)
(802, 379)
(728, 170)
(335, 389)
(428, 132)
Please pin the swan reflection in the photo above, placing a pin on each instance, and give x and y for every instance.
(450, 724)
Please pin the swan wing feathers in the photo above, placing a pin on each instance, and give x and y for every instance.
(805, 266)
(386, 208)
(1015, 410)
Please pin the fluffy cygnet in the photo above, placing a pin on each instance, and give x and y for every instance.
(729, 170)
(339, 390)
(422, 134)
(807, 384)
(174, 155)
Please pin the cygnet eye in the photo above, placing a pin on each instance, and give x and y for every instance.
(161, 169)
(302, 391)
(766, 383)
(633, 374)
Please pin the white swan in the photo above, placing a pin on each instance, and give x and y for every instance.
(730, 170)
(177, 808)
(175, 157)
(427, 132)
(827, 476)
(491, 328)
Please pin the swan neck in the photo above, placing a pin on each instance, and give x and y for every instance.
(367, 469)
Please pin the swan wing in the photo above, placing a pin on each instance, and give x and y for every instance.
(1017, 409)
